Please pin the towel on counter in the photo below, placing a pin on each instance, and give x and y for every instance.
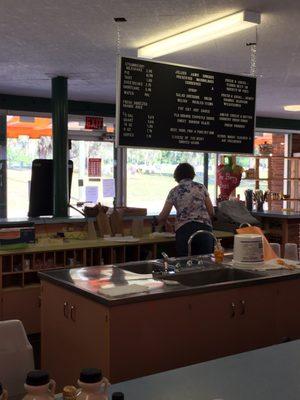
(122, 290)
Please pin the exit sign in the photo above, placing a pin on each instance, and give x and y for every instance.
(93, 123)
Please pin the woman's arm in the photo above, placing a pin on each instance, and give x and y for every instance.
(209, 206)
(165, 212)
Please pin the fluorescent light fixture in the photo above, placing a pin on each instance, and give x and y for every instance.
(294, 107)
(201, 34)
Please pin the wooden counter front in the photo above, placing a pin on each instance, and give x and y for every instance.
(136, 339)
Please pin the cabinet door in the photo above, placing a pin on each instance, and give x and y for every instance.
(288, 310)
(148, 337)
(23, 304)
(89, 339)
(74, 334)
(256, 315)
(56, 331)
(213, 325)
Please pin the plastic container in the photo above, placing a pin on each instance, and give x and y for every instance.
(3, 393)
(93, 386)
(39, 386)
(69, 392)
(219, 252)
(248, 251)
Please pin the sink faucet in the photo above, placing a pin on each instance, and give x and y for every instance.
(196, 234)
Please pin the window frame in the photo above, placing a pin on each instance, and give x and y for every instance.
(120, 157)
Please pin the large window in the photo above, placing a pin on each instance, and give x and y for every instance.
(150, 175)
(87, 188)
(28, 138)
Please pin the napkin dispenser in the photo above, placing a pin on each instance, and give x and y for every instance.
(248, 250)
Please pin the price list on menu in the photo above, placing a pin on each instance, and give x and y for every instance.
(169, 106)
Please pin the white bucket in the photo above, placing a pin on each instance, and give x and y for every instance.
(248, 250)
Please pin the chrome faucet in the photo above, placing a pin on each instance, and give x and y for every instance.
(196, 234)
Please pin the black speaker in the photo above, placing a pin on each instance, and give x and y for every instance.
(41, 188)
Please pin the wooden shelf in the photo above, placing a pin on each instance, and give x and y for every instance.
(271, 179)
(12, 273)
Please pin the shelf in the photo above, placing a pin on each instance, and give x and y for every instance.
(265, 157)
(271, 179)
(12, 273)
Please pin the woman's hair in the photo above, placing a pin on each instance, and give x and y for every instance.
(184, 171)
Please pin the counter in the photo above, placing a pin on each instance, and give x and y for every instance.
(277, 214)
(88, 281)
(271, 373)
(165, 328)
(282, 226)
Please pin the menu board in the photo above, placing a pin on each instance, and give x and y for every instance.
(168, 106)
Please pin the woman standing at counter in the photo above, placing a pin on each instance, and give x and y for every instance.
(194, 211)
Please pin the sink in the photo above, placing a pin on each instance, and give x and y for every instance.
(139, 267)
(187, 263)
(215, 276)
(184, 265)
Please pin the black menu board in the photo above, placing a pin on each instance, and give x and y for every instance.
(168, 106)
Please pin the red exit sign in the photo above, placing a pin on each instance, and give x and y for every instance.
(93, 123)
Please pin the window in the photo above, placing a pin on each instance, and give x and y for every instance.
(81, 152)
(90, 148)
(150, 175)
(28, 138)
(268, 166)
(212, 177)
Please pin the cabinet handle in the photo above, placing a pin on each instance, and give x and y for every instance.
(73, 313)
(233, 308)
(66, 309)
(243, 305)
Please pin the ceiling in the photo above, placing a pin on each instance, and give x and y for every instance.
(41, 39)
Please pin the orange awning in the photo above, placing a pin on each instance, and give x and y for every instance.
(34, 129)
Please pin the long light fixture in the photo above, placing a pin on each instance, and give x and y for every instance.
(201, 34)
(294, 107)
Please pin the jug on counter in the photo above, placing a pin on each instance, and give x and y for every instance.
(39, 386)
(3, 393)
(93, 386)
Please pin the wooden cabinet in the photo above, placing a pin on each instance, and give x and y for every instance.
(232, 321)
(137, 339)
(23, 305)
(211, 326)
(255, 315)
(288, 310)
(74, 334)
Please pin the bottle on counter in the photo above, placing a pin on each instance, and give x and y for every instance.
(219, 252)
(39, 386)
(93, 386)
(69, 392)
(3, 393)
(117, 396)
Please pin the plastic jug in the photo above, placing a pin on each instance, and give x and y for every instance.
(3, 393)
(39, 386)
(93, 386)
